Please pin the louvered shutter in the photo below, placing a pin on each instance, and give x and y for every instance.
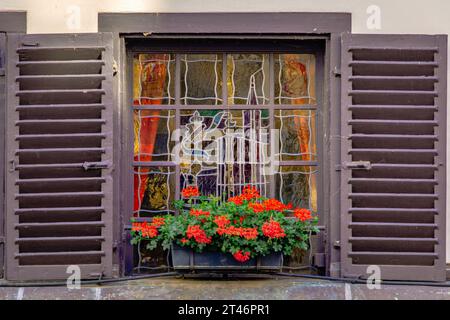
(59, 156)
(2, 147)
(393, 154)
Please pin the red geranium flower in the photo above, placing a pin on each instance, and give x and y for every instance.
(136, 226)
(274, 204)
(273, 229)
(221, 221)
(146, 230)
(249, 233)
(189, 192)
(158, 221)
(249, 193)
(302, 214)
(256, 207)
(238, 200)
(199, 212)
(241, 256)
(199, 235)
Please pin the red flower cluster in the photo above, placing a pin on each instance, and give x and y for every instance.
(158, 221)
(248, 193)
(274, 204)
(189, 192)
(273, 229)
(247, 233)
(256, 207)
(146, 230)
(199, 212)
(199, 235)
(302, 214)
(241, 256)
(221, 221)
(237, 200)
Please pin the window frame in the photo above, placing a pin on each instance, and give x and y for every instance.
(295, 26)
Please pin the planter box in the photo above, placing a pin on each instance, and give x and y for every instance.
(185, 260)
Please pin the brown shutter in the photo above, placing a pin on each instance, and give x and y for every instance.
(393, 155)
(59, 156)
(2, 147)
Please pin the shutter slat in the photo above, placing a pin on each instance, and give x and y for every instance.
(60, 150)
(60, 210)
(393, 103)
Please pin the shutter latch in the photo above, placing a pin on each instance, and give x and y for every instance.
(356, 165)
(95, 165)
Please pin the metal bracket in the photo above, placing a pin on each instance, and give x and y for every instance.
(357, 165)
(2, 72)
(2, 240)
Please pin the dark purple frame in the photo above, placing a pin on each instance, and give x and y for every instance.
(326, 27)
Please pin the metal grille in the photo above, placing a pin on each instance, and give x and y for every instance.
(393, 156)
(59, 153)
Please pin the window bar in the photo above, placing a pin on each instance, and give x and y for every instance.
(177, 123)
(271, 124)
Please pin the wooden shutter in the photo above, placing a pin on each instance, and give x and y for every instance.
(2, 147)
(59, 156)
(393, 155)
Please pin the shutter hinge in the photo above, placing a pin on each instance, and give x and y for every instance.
(2, 240)
(336, 72)
(2, 72)
(30, 44)
(12, 168)
(115, 68)
(337, 244)
(338, 167)
(96, 165)
(355, 165)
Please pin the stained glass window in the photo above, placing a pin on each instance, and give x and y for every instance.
(222, 122)
(201, 79)
(154, 79)
(295, 79)
(247, 78)
(297, 134)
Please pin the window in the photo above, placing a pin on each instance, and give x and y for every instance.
(223, 120)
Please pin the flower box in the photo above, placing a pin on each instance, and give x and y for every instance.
(185, 260)
(245, 232)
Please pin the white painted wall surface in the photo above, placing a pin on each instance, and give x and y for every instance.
(397, 16)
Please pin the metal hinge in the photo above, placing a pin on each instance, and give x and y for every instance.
(96, 165)
(356, 165)
(115, 68)
(30, 44)
(2, 240)
(336, 72)
(2, 72)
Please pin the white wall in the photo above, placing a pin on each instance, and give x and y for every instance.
(397, 16)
